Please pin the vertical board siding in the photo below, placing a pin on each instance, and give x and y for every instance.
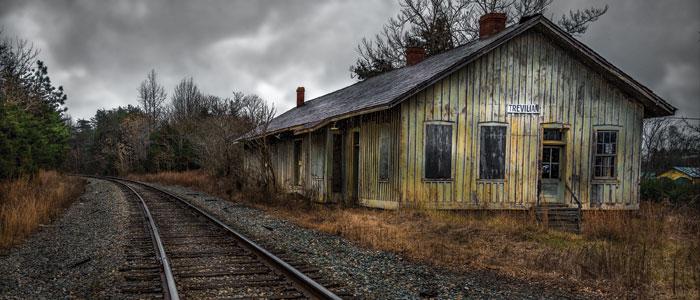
(313, 169)
(372, 190)
(527, 70)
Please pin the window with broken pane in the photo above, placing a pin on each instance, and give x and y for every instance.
(551, 162)
(605, 154)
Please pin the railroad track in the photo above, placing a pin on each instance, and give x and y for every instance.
(181, 251)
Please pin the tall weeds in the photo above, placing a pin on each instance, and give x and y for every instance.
(26, 203)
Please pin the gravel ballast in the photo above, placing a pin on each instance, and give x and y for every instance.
(76, 256)
(367, 273)
(79, 256)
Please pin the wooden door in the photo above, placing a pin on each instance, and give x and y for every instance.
(355, 166)
(551, 174)
(337, 164)
(297, 162)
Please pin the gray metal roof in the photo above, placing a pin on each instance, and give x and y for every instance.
(690, 171)
(385, 90)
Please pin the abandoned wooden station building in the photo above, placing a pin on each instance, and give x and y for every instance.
(524, 115)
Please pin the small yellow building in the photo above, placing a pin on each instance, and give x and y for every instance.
(522, 116)
(682, 173)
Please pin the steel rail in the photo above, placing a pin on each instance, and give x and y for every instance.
(169, 287)
(306, 283)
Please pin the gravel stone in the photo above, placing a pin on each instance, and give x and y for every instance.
(368, 274)
(79, 255)
(76, 256)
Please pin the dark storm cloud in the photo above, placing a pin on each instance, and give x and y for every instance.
(655, 42)
(101, 50)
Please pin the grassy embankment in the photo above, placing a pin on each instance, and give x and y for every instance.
(652, 252)
(27, 203)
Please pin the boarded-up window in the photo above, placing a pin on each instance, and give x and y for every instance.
(438, 151)
(605, 152)
(384, 145)
(492, 155)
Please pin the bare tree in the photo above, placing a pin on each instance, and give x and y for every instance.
(440, 25)
(216, 151)
(17, 60)
(152, 95)
(134, 130)
(695, 128)
(654, 136)
(187, 100)
(669, 142)
(258, 114)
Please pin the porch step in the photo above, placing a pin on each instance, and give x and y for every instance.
(559, 217)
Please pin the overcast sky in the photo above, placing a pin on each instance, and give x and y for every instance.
(101, 50)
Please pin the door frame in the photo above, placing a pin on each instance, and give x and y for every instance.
(354, 169)
(560, 195)
(298, 164)
(563, 159)
(337, 169)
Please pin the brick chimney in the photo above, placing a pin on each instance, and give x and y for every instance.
(300, 96)
(491, 23)
(414, 55)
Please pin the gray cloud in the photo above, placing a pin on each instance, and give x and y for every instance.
(101, 50)
(655, 42)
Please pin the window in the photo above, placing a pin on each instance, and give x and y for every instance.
(492, 155)
(438, 151)
(605, 153)
(551, 160)
(384, 144)
(552, 134)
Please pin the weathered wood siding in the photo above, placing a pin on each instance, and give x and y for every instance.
(527, 70)
(282, 162)
(313, 169)
(375, 192)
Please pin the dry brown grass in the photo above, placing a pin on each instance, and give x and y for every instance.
(26, 203)
(652, 252)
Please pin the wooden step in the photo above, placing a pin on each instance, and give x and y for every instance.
(559, 217)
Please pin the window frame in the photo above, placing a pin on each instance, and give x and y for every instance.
(505, 157)
(452, 150)
(595, 155)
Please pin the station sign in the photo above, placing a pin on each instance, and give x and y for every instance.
(523, 108)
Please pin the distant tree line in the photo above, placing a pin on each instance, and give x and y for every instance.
(188, 130)
(670, 142)
(33, 131)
